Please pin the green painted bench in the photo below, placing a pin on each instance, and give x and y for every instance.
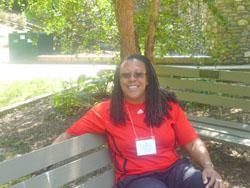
(87, 159)
(211, 87)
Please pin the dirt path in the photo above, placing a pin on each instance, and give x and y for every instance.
(37, 125)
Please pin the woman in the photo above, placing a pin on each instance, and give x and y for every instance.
(143, 125)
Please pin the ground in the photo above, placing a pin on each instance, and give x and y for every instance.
(37, 125)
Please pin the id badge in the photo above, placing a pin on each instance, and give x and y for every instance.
(145, 146)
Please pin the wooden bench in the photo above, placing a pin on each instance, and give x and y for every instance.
(87, 154)
(211, 87)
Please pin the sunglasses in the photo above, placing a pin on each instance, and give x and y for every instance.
(137, 75)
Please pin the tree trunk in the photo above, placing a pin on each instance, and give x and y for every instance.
(149, 51)
(124, 11)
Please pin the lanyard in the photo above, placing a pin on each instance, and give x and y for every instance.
(134, 126)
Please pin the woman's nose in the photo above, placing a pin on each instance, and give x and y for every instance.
(132, 77)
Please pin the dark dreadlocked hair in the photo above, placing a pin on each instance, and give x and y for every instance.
(156, 104)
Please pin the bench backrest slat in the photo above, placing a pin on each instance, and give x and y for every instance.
(221, 123)
(212, 87)
(213, 100)
(226, 75)
(237, 76)
(206, 86)
(176, 71)
(44, 157)
(69, 172)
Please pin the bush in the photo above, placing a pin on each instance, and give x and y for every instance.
(85, 93)
(15, 5)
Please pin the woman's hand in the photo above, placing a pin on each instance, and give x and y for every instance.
(199, 153)
(215, 179)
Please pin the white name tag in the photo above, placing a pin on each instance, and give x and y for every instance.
(145, 146)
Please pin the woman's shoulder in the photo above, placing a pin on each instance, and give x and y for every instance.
(174, 105)
(105, 105)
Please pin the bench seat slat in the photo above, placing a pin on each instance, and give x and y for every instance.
(220, 129)
(223, 137)
(44, 157)
(223, 123)
(69, 172)
(101, 181)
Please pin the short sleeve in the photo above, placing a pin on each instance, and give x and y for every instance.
(184, 131)
(92, 122)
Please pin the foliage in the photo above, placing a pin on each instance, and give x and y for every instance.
(102, 84)
(180, 28)
(78, 25)
(15, 5)
(82, 94)
(216, 157)
(192, 106)
(13, 143)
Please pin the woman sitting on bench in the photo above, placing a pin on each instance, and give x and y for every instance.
(143, 125)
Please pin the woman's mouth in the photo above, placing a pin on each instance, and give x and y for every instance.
(133, 87)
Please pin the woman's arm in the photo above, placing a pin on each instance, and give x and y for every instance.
(199, 153)
(62, 137)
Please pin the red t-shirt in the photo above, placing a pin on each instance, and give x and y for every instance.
(121, 139)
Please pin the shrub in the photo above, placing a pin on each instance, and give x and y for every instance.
(85, 93)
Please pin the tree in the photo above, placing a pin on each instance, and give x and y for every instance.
(177, 30)
(152, 29)
(124, 10)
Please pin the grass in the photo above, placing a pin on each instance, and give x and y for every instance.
(12, 92)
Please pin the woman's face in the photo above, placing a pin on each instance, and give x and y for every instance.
(133, 81)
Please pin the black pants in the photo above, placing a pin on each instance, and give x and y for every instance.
(180, 175)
